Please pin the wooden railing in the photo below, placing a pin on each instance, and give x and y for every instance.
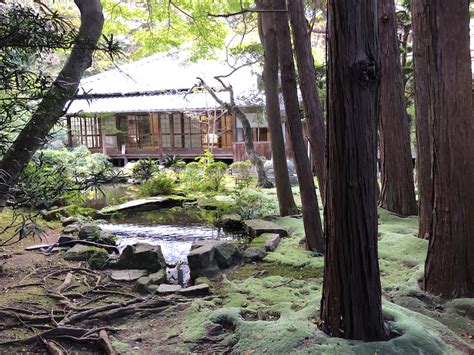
(263, 149)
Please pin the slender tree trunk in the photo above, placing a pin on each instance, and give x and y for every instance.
(267, 32)
(231, 106)
(309, 88)
(51, 108)
(351, 304)
(398, 191)
(421, 45)
(441, 30)
(311, 216)
(262, 179)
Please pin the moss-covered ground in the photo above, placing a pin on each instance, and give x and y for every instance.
(289, 282)
(273, 306)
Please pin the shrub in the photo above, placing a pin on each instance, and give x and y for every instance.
(215, 174)
(171, 160)
(179, 166)
(192, 176)
(252, 203)
(242, 170)
(159, 184)
(60, 176)
(144, 169)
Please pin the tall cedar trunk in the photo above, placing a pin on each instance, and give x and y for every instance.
(231, 106)
(51, 108)
(267, 32)
(421, 65)
(309, 88)
(398, 190)
(444, 50)
(311, 216)
(351, 304)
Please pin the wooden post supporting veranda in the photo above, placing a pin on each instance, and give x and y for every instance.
(102, 136)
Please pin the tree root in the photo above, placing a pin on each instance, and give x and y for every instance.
(105, 343)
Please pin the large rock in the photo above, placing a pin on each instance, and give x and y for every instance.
(158, 278)
(202, 261)
(106, 238)
(98, 261)
(70, 220)
(141, 256)
(254, 254)
(231, 221)
(82, 252)
(201, 257)
(197, 290)
(72, 229)
(269, 241)
(256, 227)
(67, 238)
(142, 205)
(127, 275)
(89, 232)
(272, 240)
(142, 285)
(55, 214)
(227, 254)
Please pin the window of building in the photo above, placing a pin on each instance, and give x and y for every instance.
(165, 129)
(85, 131)
(139, 130)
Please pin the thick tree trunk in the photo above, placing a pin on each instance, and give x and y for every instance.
(231, 106)
(398, 190)
(309, 89)
(51, 108)
(311, 216)
(267, 32)
(351, 304)
(441, 31)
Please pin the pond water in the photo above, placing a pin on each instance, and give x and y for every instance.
(110, 195)
(175, 230)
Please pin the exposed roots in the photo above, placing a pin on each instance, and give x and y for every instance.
(72, 315)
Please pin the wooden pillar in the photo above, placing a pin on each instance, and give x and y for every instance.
(69, 131)
(102, 135)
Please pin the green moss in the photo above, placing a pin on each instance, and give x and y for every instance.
(121, 347)
(258, 242)
(196, 320)
(25, 295)
(297, 333)
(275, 269)
(290, 251)
(272, 291)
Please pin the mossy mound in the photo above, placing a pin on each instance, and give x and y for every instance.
(297, 333)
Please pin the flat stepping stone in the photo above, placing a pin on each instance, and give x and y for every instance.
(127, 275)
(166, 289)
(197, 290)
(142, 205)
(256, 227)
